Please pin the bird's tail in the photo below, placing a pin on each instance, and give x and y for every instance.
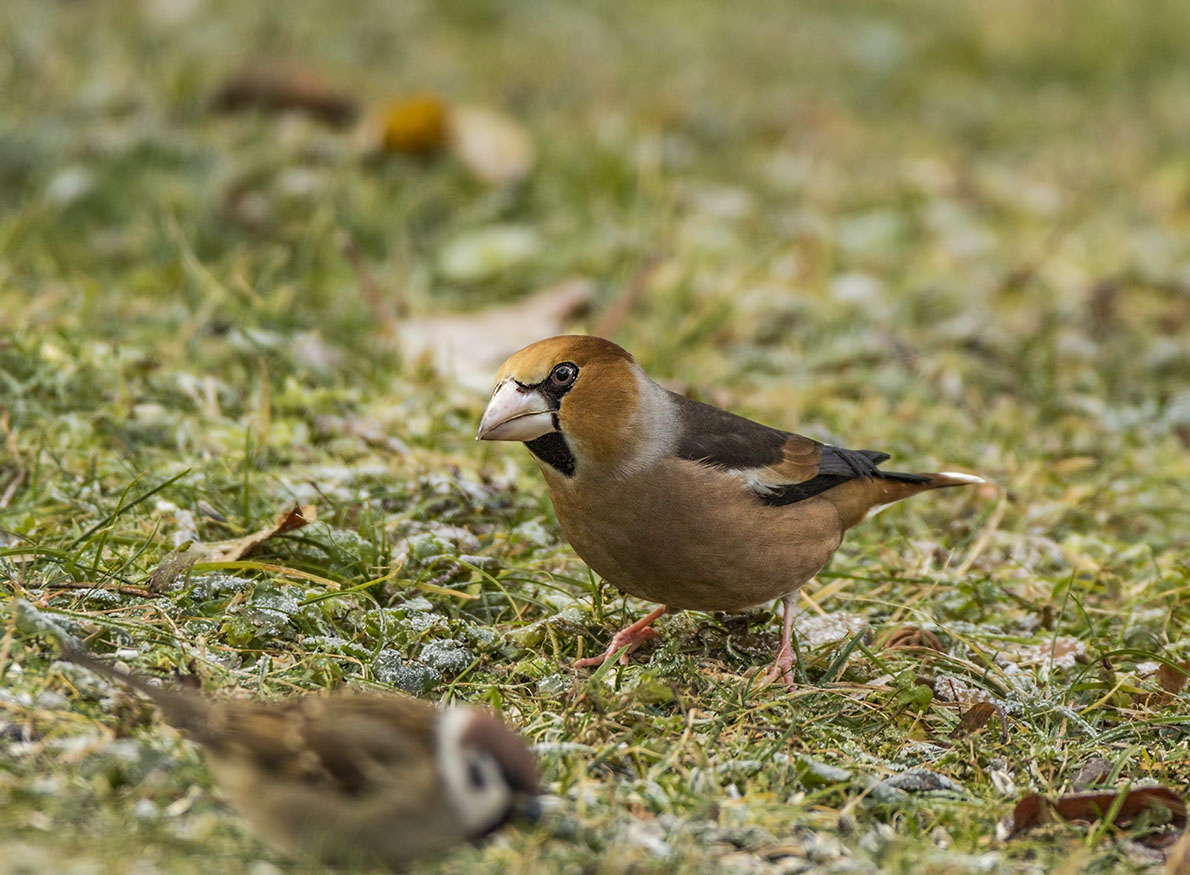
(186, 711)
(861, 499)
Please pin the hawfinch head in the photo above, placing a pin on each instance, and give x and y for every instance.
(570, 398)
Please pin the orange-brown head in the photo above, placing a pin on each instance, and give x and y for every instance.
(572, 399)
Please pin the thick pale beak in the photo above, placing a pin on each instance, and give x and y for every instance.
(515, 414)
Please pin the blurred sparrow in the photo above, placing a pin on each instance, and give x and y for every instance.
(679, 502)
(353, 777)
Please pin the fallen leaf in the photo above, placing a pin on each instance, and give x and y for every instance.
(414, 125)
(495, 149)
(913, 636)
(1093, 771)
(175, 564)
(1036, 810)
(231, 551)
(470, 346)
(1172, 679)
(273, 86)
(977, 717)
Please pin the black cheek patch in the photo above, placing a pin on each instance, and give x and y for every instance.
(552, 449)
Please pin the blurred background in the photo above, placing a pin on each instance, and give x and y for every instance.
(957, 215)
(277, 250)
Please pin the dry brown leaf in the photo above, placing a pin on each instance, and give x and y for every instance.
(977, 717)
(495, 149)
(175, 564)
(1036, 810)
(1093, 771)
(1172, 679)
(273, 86)
(470, 346)
(912, 636)
(234, 550)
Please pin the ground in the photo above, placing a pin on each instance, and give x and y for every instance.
(955, 231)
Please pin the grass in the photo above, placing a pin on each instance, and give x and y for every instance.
(954, 231)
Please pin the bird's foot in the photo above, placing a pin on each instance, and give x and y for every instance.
(631, 637)
(620, 640)
(781, 669)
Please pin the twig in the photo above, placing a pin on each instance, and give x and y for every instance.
(383, 307)
(813, 604)
(6, 647)
(985, 537)
(12, 487)
(122, 589)
(634, 290)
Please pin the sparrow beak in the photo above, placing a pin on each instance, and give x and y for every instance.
(515, 414)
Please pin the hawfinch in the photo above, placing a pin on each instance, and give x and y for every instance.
(678, 502)
(353, 778)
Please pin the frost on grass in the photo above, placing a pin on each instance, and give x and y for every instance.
(861, 274)
(445, 656)
(391, 668)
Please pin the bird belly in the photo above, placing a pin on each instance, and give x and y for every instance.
(308, 818)
(693, 537)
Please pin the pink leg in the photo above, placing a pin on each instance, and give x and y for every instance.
(783, 660)
(631, 637)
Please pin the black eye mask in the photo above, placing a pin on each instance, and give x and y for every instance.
(552, 448)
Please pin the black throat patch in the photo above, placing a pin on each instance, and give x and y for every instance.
(552, 449)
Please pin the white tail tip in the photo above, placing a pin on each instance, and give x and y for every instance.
(962, 478)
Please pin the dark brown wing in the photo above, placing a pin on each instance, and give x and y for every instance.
(345, 743)
(781, 467)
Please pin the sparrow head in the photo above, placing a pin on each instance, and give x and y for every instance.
(569, 398)
(489, 773)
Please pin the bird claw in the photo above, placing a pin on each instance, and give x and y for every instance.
(630, 638)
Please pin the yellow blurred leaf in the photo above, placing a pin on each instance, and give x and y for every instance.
(415, 125)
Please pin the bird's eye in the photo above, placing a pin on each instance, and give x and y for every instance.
(564, 374)
(475, 776)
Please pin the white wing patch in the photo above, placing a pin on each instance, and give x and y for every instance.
(876, 508)
(752, 479)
